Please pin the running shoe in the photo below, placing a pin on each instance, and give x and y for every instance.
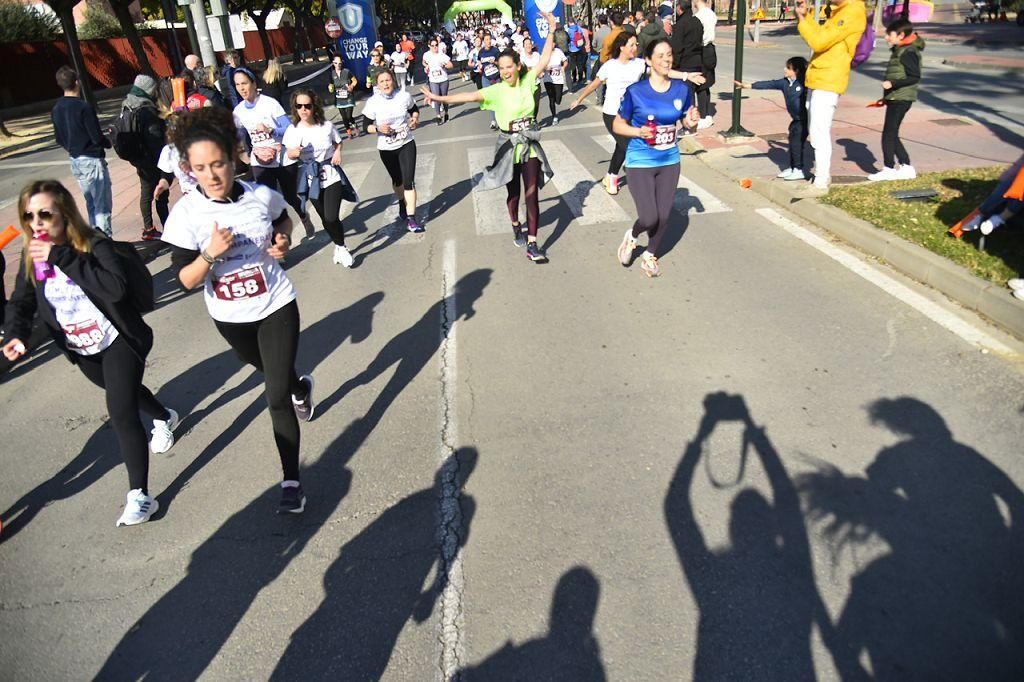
(1017, 284)
(784, 173)
(293, 500)
(446, 117)
(304, 407)
(403, 213)
(415, 226)
(554, 121)
(626, 248)
(163, 433)
(705, 122)
(534, 253)
(907, 172)
(884, 175)
(794, 174)
(518, 236)
(440, 120)
(611, 184)
(307, 225)
(649, 265)
(138, 507)
(151, 234)
(494, 126)
(342, 256)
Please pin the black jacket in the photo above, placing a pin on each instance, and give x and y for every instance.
(77, 129)
(103, 280)
(794, 91)
(278, 90)
(687, 43)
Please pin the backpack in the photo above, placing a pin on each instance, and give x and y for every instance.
(139, 279)
(864, 46)
(126, 137)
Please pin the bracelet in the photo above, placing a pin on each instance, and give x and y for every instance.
(207, 257)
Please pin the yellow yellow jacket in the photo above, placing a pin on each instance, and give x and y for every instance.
(833, 43)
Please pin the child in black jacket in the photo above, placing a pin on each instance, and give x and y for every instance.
(795, 93)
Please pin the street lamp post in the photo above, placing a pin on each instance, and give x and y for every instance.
(737, 99)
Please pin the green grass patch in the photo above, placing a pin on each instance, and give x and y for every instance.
(926, 222)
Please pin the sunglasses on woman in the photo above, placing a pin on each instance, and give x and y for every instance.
(44, 215)
(303, 105)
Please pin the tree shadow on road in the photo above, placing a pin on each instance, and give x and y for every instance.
(569, 650)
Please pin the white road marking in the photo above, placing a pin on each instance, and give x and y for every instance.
(14, 166)
(489, 210)
(356, 173)
(548, 130)
(425, 164)
(585, 197)
(921, 304)
(691, 199)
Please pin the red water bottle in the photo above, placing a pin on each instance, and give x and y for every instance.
(653, 127)
(44, 270)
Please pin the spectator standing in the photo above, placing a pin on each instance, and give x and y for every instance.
(615, 18)
(205, 78)
(227, 78)
(577, 52)
(902, 75)
(150, 128)
(687, 40)
(273, 82)
(629, 24)
(793, 89)
(652, 30)
(77, 130)
(828, 75)
(709, 61)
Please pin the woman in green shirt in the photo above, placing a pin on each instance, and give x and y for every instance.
(518, 154)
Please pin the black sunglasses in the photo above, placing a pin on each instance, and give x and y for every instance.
(44, 215)
(303, 105)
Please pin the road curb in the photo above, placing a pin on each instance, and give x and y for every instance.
(990, 300)
(987, 68)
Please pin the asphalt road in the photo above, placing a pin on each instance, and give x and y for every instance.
(774, 462)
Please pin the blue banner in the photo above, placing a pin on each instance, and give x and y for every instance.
(537, 25)
(358, 35)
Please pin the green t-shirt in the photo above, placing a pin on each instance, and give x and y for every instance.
(511, 104)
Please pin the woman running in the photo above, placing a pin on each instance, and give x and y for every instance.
(650, 114)
(75, 281)
(518, 153)
(377, 65)
(436, 65)
(528, 57)
(343, 86)
(264, 121)
(472, 60)
(617, 74)
(392, 116)
(315, 143)
(171, 167)
(554, 81)
(228, 237)
(400, 64)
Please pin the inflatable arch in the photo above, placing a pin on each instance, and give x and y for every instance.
(461, 6)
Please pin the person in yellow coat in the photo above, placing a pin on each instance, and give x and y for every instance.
(828, 74)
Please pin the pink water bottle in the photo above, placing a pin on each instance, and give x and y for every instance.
(44, 270)
(653, 127)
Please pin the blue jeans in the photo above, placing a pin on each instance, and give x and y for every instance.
(94, 179)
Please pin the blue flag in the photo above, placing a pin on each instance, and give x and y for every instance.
(535, 22)
(356, 17)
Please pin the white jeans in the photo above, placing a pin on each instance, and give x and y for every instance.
(821, 108)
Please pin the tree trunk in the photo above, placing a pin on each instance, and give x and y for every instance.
(732, 6)
(124, 17)
(261, 27)
(64, 12)
(297, 42)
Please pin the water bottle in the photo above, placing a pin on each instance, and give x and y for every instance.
(653, 127)
(44, 270)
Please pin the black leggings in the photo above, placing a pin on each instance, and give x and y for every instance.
(892, 147)
(328, 207)
(619, 155)
(401, 165)
(285, 180)
(270, 345)
(118, 370)
(529, 171)
(797, 140)
(149, 176)
(653, 191)
(440, 89)
(554, 91)
(347, 119)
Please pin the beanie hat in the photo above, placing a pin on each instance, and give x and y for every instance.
(146, 84)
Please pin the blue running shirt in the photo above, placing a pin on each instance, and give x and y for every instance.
(640, 101)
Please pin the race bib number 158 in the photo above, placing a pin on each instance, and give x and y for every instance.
(241, 284)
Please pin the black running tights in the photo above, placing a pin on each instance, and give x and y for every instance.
(619, 155)
(892, 146)
(653, 190)
(270, 345)
(118, 370)
(285, 180)
(328, 207)
(529, 171)
(554, 91)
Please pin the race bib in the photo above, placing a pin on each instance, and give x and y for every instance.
(84, 334)
(490, 70)
(241, 284)
(261, 138)
(555, 72)
(343, 93)
(520, 124)
(328, 175)
(398, 133)
(665, 137)
(436, 73)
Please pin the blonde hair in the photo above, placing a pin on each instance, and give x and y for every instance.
(79, 233)
(273, 73)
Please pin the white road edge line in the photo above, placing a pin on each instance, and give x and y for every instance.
(449, 522)
(921, 304)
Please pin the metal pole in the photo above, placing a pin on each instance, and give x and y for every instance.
(198, 12)
(737, 93)
(190, 28)
(169, 16)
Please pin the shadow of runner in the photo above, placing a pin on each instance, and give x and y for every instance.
(758, 598)
(944, 603)
(375, 586)
(569, 651)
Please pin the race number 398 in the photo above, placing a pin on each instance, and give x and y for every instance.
(240, 285)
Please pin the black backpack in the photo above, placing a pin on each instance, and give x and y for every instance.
(126, 138)
(139, 279)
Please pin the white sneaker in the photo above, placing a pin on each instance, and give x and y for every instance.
(1017, 284)
(884, 175)
(972, 224)
(626, 248)
(138, 507)
(342, 256)
(705, 122)
(784, 173)
(907, 172)
(987, 227)
(1018, 293)
(163, 434)
(554, 121)
(795, 174)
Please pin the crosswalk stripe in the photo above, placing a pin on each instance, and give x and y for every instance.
(489, 210)
(691, 198)
(356, 173)
(584, 196)
(425, 164)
